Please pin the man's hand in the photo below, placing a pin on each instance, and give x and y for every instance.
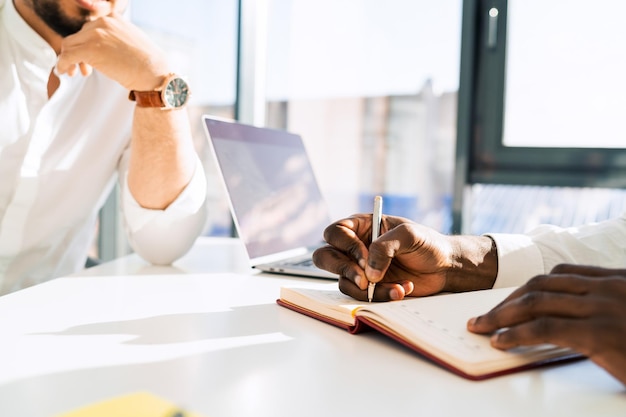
(116, 48)
(406, 259)
(581, 307)
(162, 158)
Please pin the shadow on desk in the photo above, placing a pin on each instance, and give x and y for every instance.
(183, 328)
(259, 360)
(170, 353)
(176, 356)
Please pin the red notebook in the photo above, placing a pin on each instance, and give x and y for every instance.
(435, 327)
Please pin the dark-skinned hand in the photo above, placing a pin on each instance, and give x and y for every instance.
(407, 259)
(581, 307)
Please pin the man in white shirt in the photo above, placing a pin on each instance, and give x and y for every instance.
(572, 281)
(68, 68)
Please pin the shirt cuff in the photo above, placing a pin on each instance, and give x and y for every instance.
(519, 259)
(188, 202)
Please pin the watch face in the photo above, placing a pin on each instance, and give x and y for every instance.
(176, 93)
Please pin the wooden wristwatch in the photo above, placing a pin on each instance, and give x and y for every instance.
(172, 94)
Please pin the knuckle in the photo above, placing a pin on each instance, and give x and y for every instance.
(531, 299)
(354, 250)
(537, 282)
(379, 257)
(346, 270)
(541, 328)
(384, 249)
(560, 268)
(105, 21)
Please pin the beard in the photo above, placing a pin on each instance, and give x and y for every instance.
(50, 12)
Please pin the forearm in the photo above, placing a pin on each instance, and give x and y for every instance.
(474, 264)
(162, 155)
(162, 158)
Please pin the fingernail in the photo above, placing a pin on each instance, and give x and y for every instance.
(357, 281)
(471, 322)
(360, 282)
(362, 263)
(394, 294)
(407, 287)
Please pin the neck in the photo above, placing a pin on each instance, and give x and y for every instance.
(25, 9)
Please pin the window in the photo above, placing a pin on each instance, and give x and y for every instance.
(567, 80)
(372, 88)
(541, 95)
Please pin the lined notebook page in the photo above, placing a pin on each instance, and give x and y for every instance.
(438, 324)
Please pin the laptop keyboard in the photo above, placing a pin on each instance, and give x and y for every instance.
(304, 263)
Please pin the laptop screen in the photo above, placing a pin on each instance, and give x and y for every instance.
(275, 200)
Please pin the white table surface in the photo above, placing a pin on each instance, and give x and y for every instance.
(207, 334)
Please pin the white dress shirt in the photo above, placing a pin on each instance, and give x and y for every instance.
(521, 257)
(59, 160)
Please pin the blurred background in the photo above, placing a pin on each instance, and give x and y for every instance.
(467, 116)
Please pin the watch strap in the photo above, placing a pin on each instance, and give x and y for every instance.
(146, 98)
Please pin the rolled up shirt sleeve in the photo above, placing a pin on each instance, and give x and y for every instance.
(518, 259)
(162, 236)
(521, 257)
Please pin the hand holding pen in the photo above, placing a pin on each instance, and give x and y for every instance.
(377, 217)
(407, 259)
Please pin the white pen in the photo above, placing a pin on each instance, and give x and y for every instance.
(377, 217)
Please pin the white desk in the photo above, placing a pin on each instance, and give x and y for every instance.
(216, 343)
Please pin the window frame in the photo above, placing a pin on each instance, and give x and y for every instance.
(481, 156)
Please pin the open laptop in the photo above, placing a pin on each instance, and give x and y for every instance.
(275, 201)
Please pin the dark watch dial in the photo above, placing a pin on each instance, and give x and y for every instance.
(176, 93)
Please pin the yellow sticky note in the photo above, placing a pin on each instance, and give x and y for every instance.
(140, 404)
